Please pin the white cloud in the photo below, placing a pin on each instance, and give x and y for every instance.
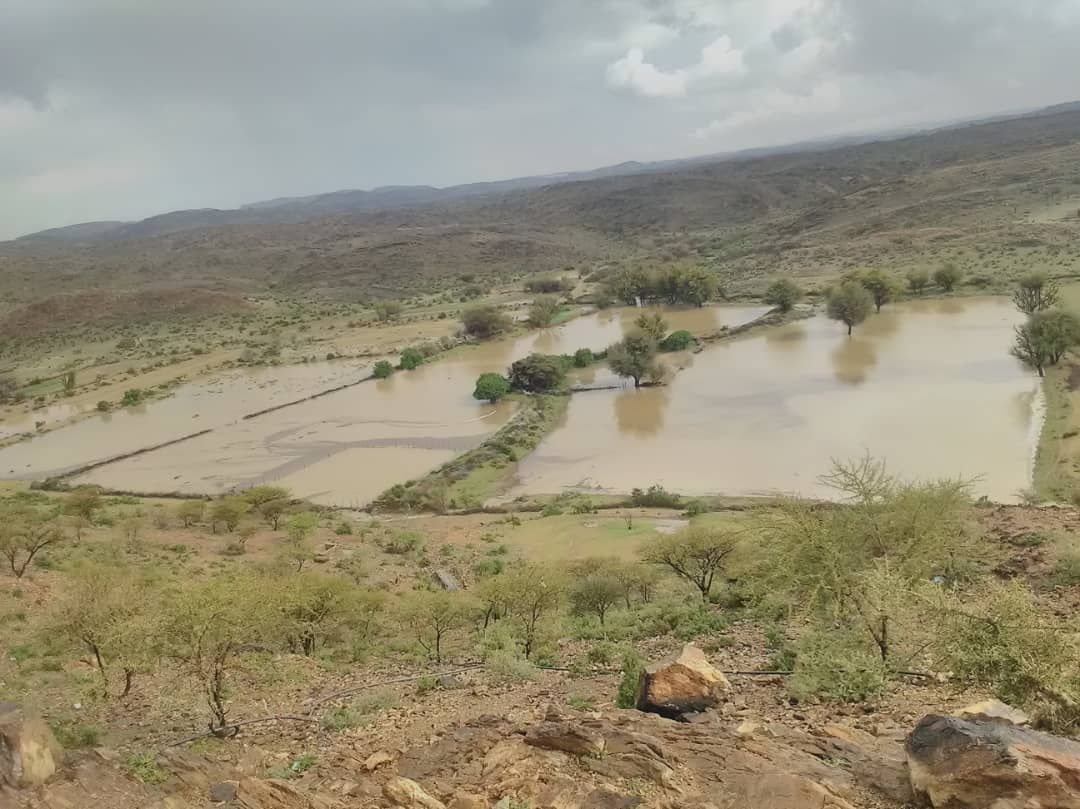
(719, 59)
(633, 73)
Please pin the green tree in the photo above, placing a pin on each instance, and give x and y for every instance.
(543, 310)
(594, 587)
(1036, 292)
(538, 373)
(485, 321)
(783, 294)
(25, 533)
(1045, 338)
(382, 369)
(881, 288)
(190, 512)
(84, 502)
(272, 511)
(850, 304)
(300, 525)
(533, 595)
(491, 387)
(918, 281)
(654, 325)
(634, 357)
(583, 358)
(259, 495)
(696, 554)
(106, 609)
(411, 358)
(227, 511)
(131, 397)
(947, 276)
(677, 341)
(433, 616)
(317, 608)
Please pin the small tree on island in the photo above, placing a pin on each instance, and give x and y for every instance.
(1035, 293)
(538, 373)
(1045, 338)
(881, 288)
(411, 359)
(783, 294)
(491, 387)
(849, 303)
(947, 276)
(634, 356)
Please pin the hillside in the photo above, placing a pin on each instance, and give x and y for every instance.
(993, 198)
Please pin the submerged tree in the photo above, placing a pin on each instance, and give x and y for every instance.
(918, 281)
(881, 288)
(947, 276)
(491, 387)
(783, 294)
(849, 303)
(634, 356)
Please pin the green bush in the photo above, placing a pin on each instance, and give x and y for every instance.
(632, 667)
(837, 665)
(583, 358)
(655, 497)
(411, 358)
(491, 387)
(677, 341)
(382, 369)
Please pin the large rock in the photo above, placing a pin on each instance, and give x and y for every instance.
(566, 737)
(29, 753)
(986, 763)
(409, 795)
(685, 684)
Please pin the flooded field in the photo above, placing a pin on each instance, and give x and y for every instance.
(928, 386)
(341, 449)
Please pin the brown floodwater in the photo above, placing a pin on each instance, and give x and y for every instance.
(927, 386)
(340, 449)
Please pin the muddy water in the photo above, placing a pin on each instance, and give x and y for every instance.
(345, 448)
(928, 386)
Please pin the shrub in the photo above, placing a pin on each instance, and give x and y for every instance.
(656, 496)
(583, 358)
(677, 341)
(543, 310)
(132, 396)
(837, 665)
(104, 406)
(382, 369)
(549, 286)
(411, 358)
(783, 294)
(491, 387)
(485, 321)
(538, 373)
(632, 667)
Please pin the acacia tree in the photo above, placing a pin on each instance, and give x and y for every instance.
(783, 294)
(531, 595)
(947, 276)
(316, 608)
(105, 608)
(634, 356)
(849, 303)
(208, 626)
(485, 321)
(881, 288)
(696, 554)
(24, 533)
(191, 512)
(432, 615)
(594, 587)
(654, 325)
(1045, 338)
(1036, 293)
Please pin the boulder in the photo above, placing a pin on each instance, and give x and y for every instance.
(984, 762)
(566, 737)
(224, 791)
(409, 795)
(995, 709)
(376, 760)
(685, 684)
(29, 753)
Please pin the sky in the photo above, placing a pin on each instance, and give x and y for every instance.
(120, 109)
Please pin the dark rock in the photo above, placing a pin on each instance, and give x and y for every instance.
(604, 798)
(985, 762)
(686, 684)
(567, 738)
(224, 792)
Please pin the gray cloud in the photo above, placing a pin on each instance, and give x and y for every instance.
(123, 108)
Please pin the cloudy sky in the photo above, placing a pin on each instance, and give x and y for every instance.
(119, 109)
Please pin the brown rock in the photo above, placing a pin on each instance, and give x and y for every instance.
(685, 684)
(995, 709)
(29, 753)
(257, 793)
(409, 795)
(376, 760)
(879, 763)
(567, 738)
(468, 801)
(605, 798)
(981, 762)
(777, 790)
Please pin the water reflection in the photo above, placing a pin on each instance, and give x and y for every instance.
(641, 412)
(852, 359)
